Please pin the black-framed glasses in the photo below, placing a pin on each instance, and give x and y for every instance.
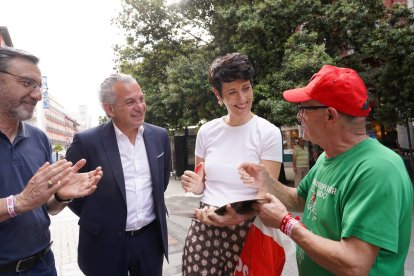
(302, 108)
(25, 81)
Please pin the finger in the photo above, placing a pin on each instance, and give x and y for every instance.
(79, 165)
(45, 170)
(246, 166)
(100, 174)
(66, 173)
(182, 183)
(43, 167)
(187, 173)
(57, 170)
(245, 177)
(95, 180)
(201, 215)
(198, 213)
(185, 186)
(95, 172)
(98, 171)
(259, 202)
(88, 191)
(187, 177)
(242, 166)
(52, 189)
(270, 197)
(60, 180)
(96, 175)
(214, 219)
(50, 183)
(58, 163)
(230, 210)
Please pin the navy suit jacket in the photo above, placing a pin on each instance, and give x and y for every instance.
(102, 215)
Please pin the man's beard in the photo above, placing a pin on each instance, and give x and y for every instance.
(22, 113)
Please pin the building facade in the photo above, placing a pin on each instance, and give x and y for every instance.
(50, 117)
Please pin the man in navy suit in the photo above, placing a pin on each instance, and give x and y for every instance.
(122, 226)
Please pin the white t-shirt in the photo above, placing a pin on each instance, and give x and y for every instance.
(225, 147)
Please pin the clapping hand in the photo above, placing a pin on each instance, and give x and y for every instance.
(80, 184)
(43, 184)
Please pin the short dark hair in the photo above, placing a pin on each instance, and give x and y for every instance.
(228, 68)
(7, 54)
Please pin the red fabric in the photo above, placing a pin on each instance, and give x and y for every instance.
(261, 255)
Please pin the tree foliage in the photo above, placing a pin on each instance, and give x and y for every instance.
(169, 48)
(56, 149)
(392, 46)
(103, 119)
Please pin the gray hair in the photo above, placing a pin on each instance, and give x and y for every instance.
(7, 54)
(106, 94)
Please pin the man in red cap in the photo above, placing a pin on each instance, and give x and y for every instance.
(357, 199)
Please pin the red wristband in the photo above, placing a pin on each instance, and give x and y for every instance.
(288, 223)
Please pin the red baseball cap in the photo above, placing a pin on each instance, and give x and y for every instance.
(340, 88)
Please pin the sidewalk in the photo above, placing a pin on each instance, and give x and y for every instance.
(64, 229)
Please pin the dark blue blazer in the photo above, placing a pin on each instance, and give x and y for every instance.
(102, 216)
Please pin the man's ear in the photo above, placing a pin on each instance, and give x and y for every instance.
(332, 114)
(109, 110)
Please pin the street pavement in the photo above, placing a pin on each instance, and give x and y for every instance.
(64, 231)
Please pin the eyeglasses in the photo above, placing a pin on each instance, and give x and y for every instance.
(25, 81)
(302, 108)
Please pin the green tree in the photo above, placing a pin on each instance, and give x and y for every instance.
(103, 119)
(392, 48)
(170, 46)
(187, 88)
(56, 149)
(303, 56)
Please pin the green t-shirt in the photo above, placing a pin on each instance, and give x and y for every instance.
(366, 193)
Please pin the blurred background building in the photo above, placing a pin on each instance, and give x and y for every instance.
(50, 115)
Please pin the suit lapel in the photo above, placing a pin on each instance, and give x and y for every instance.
(151, 154)
(111, 148)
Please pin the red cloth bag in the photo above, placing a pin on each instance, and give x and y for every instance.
(262, 253)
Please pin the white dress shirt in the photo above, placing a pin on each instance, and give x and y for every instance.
(137, 175)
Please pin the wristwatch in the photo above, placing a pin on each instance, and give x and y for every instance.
(58, 199)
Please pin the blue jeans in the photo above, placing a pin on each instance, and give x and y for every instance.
(46, 267)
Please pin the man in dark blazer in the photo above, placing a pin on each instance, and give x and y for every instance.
(122, 226)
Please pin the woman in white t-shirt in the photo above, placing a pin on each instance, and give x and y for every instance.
(222, 144)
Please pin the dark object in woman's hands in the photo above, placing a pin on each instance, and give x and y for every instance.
(241, 207)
